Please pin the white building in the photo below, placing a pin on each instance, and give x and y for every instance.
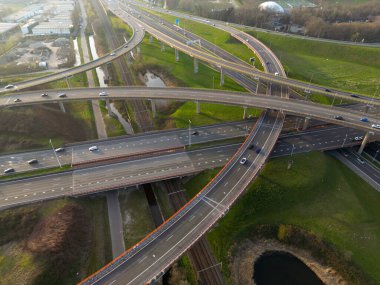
(7, 29)
(24, 14)
(52, 28)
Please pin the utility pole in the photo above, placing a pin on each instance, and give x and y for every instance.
(56, 156)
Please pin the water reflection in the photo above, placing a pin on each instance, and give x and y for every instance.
(283, 268)
(99, 71)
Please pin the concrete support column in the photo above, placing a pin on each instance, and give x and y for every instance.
(221, 76)
(150, 39)
(162, 46)
(154, 112)
(364, 142)
(244, 112)
(129, 58)
(62, 107)
(195, 65)
(306, 123)
(257, 85)
(108, 105)
(176, 55)
(198, 105)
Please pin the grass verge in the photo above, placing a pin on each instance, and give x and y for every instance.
(351, 68)
(332, 203)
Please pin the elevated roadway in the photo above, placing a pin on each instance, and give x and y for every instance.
(137, 37)
(262, 51)
(124, 147)
(21, 191)
(298, 107)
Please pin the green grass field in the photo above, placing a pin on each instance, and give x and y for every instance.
(332, 203)
(182, 73)
(215, 36)
(351, 68)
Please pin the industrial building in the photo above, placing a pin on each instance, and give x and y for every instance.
(6, 29)
(52, 28)
(24, 14)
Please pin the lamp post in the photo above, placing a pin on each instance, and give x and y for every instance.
(56, 156)
(189, 133)
(374, 158)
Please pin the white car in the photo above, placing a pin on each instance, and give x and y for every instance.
(376, 126)
(59, 149)
(9, 86)
(93, 148)
(359, 138)
(276, 73)
(112, 53)
(243, 160)
(103, 93)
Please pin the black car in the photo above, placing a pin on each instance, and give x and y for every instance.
(9, 170)
(258, 150)
(195, 133)
(355, 96)
(338, 117)
(252, 146)
(327, 90)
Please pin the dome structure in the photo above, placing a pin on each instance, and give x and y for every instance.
(271, 6)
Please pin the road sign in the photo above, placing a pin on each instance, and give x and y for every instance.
(177, 22)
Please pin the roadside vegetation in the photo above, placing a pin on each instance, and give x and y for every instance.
(334, 206)
(215, 36)
(351, 68)
(36, 247)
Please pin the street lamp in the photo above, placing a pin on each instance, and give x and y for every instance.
(56, 156)
(374, 158)
(189, 133)
(344, 141)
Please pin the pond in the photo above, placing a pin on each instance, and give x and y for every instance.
(283, 268)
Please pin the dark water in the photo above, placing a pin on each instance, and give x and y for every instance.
(282, 268)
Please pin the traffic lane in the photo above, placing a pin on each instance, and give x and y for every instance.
(363, 169)
(148, 169)
(45, 159)
(35, 189)
(366, 167)
(290, 82)
(299, 107)
(137, 274)
(119, 147)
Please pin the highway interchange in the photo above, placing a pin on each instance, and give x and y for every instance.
(155, 253)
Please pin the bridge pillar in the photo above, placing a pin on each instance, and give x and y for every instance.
(195, 65)
(162, 46)
(108, 105)
(244, 112)
(306, 123)
(150, 39)
(62, 107)
(257, 85)
(176, 55)
(154, 112)
(364, 142)
(129, 58)
(221, 76)
(198, 106)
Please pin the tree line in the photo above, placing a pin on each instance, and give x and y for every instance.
(359, 22)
